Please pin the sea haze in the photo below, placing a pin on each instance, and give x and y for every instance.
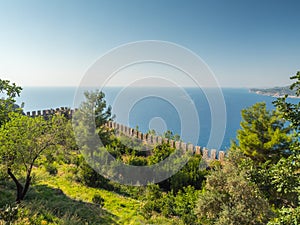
(152, 110)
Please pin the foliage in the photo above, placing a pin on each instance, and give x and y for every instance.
(8, 93)
(190, 174)
(230, 198)
(262, 170)
(97, 199)
(169, 134)
(135, 160)
(263, 135)
(180, 205)
(184, 204)
(289, 216)
(123, 145)
(279, 179)
(91, 118)
(51, 169)
(23, 140)
(291, 111)
(153, 201)
(160, 152)
(280, 182)
(9, 214)
(91, 178)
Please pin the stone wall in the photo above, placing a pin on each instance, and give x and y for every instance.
(121, 129)
(207, 154)
(48, 112)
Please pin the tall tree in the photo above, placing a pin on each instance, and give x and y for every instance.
(93, 114)
(263, 135)
(22, 141)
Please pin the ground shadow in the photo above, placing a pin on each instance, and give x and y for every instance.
(45, 199)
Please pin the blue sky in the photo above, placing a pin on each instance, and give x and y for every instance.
(245, 43)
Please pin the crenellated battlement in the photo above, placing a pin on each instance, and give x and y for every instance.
(67, 112)
(121, 129)
(207, 154)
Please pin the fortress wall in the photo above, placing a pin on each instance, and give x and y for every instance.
(148, 139)
(207, 154)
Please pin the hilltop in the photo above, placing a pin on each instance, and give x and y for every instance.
(275, 92)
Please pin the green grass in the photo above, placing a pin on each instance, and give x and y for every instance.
(60, 200)
(122, 208)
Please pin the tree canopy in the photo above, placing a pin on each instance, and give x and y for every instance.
(263, 135)
(23, 140)
(8, 92)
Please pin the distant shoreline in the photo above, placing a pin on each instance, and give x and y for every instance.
(276, 92)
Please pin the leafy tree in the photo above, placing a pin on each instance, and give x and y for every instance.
(22, 141)
(279, 182)
(285, 175)
(291, 111)
(230, 198)
(8, 93)
(286, 215)
(263, 135)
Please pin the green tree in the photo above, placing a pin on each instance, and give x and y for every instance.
(102, 113)
(160, 152)
(263, 135)
(230, 198)
(291, 112)
(91, 119)
(190, 174)
(284, 176)
(22, 141)
(184, 204)
(169, 134)
(8, 93)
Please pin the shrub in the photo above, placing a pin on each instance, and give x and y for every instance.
(97, 199)
(89, 177)
(51, 169)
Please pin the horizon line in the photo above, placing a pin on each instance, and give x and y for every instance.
(147, 86)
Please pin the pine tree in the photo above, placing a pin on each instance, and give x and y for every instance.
(263, 135)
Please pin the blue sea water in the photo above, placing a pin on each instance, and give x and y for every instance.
(156, 108)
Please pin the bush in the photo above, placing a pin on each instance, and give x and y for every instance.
(97, 199)
(89, 177)
(51, 169)
(153, 200)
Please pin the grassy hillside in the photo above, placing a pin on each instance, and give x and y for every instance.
(60, 200)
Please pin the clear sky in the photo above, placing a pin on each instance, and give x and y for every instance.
(246, 43)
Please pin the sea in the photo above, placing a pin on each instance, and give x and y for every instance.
(206, 117)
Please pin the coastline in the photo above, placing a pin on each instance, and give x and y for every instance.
(274, 95)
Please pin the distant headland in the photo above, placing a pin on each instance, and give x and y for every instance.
(275, 92)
